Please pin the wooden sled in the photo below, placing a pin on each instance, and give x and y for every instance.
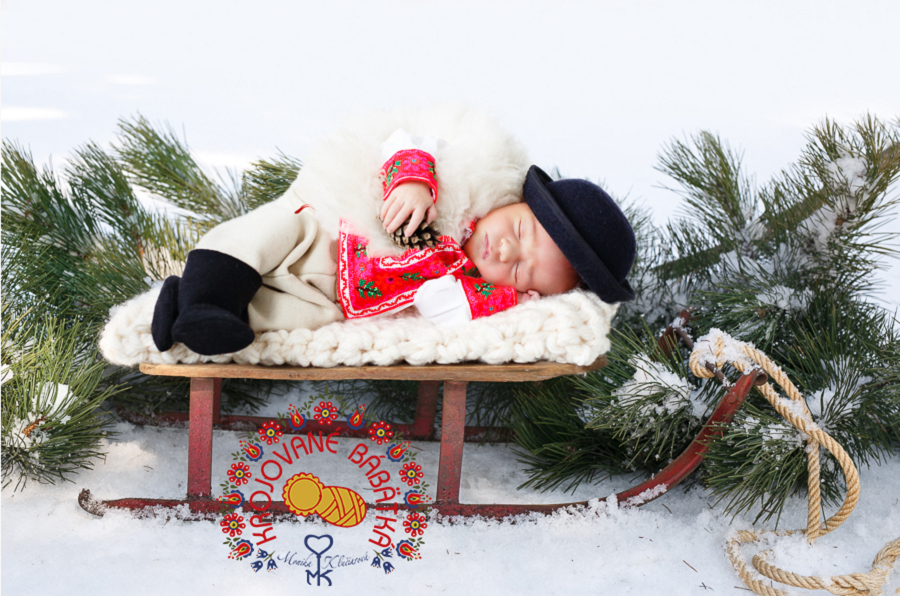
(205, 395)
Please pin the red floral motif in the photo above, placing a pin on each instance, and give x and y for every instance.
(270, 431)
(381, 432)
(415, 524)
(407, 165)
(233, 525)
(325, 412)
(411, 473)
(239, 474)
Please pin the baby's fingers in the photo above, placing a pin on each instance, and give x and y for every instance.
(385, 206)
(414, 221)
(396, 215)
(396, 218)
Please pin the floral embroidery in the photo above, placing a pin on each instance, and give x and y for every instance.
(369, 286)
(253, 451)
(296, 418)
(415, 524)
(360, 250)
(239, 474)
(413, 498)
(380, 432)
(407, 165)
(244, 548)
(411, 473)
(233, 524)
(269, 432)
(406, 550)
(325, 412)
(485, 289)
(367, 289)
(471, 271)
(234, 499)
(356, 420)
(396, 452)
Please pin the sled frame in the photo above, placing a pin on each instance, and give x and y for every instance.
(204, 415)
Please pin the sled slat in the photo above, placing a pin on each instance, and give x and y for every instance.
(534, 371)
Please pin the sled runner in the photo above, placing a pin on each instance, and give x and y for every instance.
(204, 415)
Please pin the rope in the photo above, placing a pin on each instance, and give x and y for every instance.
(720, 348)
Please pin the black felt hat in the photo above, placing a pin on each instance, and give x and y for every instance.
(589, 229)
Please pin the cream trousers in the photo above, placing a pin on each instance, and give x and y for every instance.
(296, 259)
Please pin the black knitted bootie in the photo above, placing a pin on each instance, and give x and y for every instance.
(164, 314)
(206, 309)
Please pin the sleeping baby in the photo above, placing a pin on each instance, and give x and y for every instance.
(278, 267)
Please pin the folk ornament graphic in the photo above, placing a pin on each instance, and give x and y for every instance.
(304, 494)
(325, 412)
(381, 432)
(270, 432)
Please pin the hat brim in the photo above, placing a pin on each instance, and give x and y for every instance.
(587, 264)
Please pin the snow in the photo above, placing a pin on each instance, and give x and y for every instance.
(673, 545)
(593, 88)
(848, 174)
(48, 401)
(732, 353)
(646, 496)
(785, 298)
(653, 378)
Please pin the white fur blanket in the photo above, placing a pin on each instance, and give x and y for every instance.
(570, 328)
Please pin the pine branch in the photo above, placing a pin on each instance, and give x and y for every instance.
(266, 180)
(158, 162)
(724, 216)
(555, 444)
(51, 394)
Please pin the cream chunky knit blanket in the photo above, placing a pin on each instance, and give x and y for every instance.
(569, 328)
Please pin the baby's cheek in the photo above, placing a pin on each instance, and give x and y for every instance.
(493, 276)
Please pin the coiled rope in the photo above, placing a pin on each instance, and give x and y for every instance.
(719, 349)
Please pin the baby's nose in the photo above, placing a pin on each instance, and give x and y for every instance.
(508, 250)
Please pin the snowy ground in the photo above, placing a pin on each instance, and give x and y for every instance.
(674, 545)
(593, 88)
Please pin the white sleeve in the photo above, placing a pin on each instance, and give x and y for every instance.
(443, 302)
(401, 140)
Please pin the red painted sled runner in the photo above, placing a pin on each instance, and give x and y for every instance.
(206, 382)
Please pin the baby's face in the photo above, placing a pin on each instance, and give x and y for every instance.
(511, 248)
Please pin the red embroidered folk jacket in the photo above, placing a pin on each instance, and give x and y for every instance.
(378, 285)
(369, 286)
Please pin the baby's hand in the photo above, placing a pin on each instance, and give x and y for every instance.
(526, 296)
(408, 199)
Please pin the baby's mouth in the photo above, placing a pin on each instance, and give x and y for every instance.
(487, 248)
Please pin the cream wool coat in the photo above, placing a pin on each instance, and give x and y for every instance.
(480, 169)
